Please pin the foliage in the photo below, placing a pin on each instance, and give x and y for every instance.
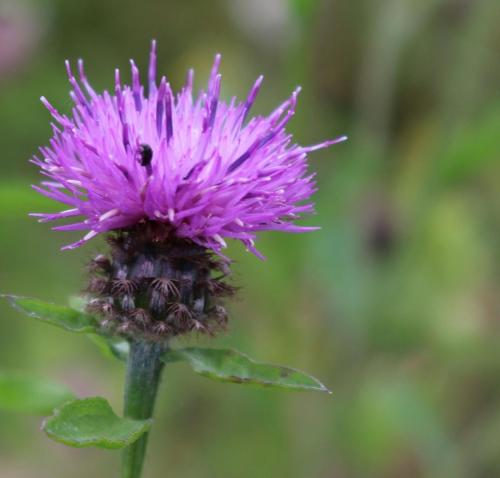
(235, 367)
(91, 422)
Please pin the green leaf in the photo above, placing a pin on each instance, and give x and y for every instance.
(92, 422)
(61, 316)
(27, 394)
(77, 302)
(234, 367)
(111, 347)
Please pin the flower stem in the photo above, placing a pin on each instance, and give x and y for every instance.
(144, 369)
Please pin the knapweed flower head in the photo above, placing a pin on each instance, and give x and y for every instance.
(199, 166)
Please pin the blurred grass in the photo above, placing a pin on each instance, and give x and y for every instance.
(393, 304)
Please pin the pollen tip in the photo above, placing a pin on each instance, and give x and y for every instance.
(108, 214)
(89, 235)
(171, 214)
(220, 240)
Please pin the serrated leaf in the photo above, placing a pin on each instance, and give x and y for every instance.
(59, 315)
(111, 347)
(27, 394)
(92, 422)
(234, 367)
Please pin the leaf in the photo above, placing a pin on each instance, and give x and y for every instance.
(92, 422)
(235, 367)
(59, 315)
(28, 394)
(111, 347)
(77, 302)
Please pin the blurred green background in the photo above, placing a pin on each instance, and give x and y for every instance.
(393, 303)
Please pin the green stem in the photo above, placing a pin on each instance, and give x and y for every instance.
(144, 369)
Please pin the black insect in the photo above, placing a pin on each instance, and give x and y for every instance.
(144, 154)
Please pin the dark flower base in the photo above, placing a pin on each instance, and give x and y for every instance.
(157, 286)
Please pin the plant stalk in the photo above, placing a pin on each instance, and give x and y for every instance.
(144, 369)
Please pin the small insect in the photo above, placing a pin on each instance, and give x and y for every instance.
(144, 154)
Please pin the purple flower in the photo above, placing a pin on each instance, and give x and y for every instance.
(197, 165)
